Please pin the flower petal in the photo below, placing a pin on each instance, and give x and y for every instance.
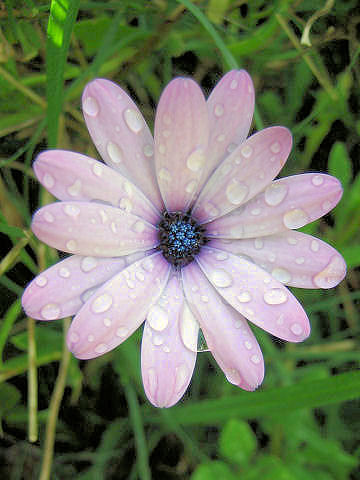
(244, 173)
(121, 135)
(72, 176)
(288, 203)
(118, 307)
(227, 333)
(86, 228)
(166, 364)
(61, 290)
(181, 136)
(293, 258)
(255, 294)
(231, 107)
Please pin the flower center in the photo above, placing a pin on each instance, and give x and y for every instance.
(181, 238)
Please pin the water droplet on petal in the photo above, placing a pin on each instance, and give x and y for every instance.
(133, 120)
(295, 218)
(147, 264)
(218, 110)
(158, 318)
(64, 272)
(191, 186)
(49, 217)
(196, 160)
(72, 210)
(281, 275)
(97, 169)
(332, 273)
(91, 106)
(275, 193)
(248, 345)
(71, 245)
(107, 322)
(122, 332)
(148, 150)
(299, 260)
(255, 359)
(51, 311)
(189, 329)
(258, 243)
(236, 192)
(246, 151)
(244, 297)
(221, 256)
(221, 278)
(233, 85)
(88, 263)
(181, 377)
(138, 226)
(125, 204)
(74, 337)
(157, 340)
(101, 348)
(152, 381)
(48, 180)
(114, 151)
(164, 174)
(74, 189)
(275, 296)
(102, 303)
(314, 246)
(317, 180)
(275, 147)
(296, 329)
(211, 210)
(233, 376)
(41, 281)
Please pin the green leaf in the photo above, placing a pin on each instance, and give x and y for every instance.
(246, 405)
(351, 254)
(237, 442)
(61, 22)
(9, 397)
(47, 339)
(340, 164)
(268, 467)
(213, 471)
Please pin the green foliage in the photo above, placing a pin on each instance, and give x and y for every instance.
(303, 422)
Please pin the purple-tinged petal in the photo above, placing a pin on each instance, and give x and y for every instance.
(72, 176)
(293, 258)
(118, 308)
(227, 333)
(244, 173)
(121, 135)
(86, 228)
(288, 203)
(166, 364)
(255, 294)
(181, 137)
(231, 107)
(61, 290)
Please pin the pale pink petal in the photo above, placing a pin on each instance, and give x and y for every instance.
(86, 228)
(231, 107)
(61, 290)
(118, 308)
(72, 176)
(255, 294)
(244, 173)
(288, 203)
(227, 333)
(121, 135)
(293, 258)
(166, 364)
(181, 137)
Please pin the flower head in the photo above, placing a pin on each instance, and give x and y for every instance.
(187, 230)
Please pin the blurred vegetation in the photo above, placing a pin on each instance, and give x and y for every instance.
(64, 419)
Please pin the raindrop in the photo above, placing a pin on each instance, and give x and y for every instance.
(74, 337)
(133, 120)
(189, 328)
(101, 348)
(275, 147)
(49, 217)
(88, 263)
(191, 186)
(51, 311)
(275, 296)
(91, 106)
(255, 359)
(246, 151)
(258, 243)
(181, 376)
(138, 226)
(71, 245)
(330, 276)
(72, 210)
(221, 278)
(218, 110)
(314, 246)
(48, 180)
(41, 281)
(233, 376)
(158, 318)
(275, 193)
(236, 192)
(64, 272)
(75, 189)
(281, 275)
(148, 150)
(233, 85)
(122, 332)
(107, 322)
(114, 151)
(244, 297)
(126, 205)
(164, 174)
(296, 329)
(196, 160)
(211, 210)
(102, 303)
(317, 180)
(295, 218)
(97, 169)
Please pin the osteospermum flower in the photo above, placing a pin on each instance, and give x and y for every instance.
(184, 230)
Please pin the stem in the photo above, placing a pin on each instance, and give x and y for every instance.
(32, 382)
(54, 409)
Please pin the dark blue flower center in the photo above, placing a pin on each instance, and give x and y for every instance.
(181, 238)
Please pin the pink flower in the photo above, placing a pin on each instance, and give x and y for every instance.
(184, 230)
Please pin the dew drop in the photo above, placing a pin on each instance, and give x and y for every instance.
(72, 210)
(138, 226)
(244, 297)
(299, 260)
(166, 349)
(166, 119)
(275, 193)
(91, 338)
(101, 348)
(122, 332)
(64, 272)
(237, 231)
(75, 189)
(125, 204)
(275, 147)
(281, 275)
(211, 210)
(204, 298)
(248, 345)
(41, 281)
(114, 151)
(258, 243)
(107, 322)
(48, 180)
(275, 296)
(88, 263)
(97, 169)
(196, 160)
(164, 175)
(332, 273)
(255, 211)
(157, 340)
(236, 192)
(221, 256)
(255, 359)
(49, 217)
(295, 218)
(326, 206)
(317, 180)
(221, 278)
(148, 150)
(226, 168)
(102, 303)
(233, 376)
(233, 85)
(140, 276)
(71, 245)
(191, 186)
(74, 337)
(189, 329)
(148, 265)
(51, 311)
(158, 318)
(218, 110)
(220, 138)
(246, 151)
(91, 106)
(296, 329)
(133, 120)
